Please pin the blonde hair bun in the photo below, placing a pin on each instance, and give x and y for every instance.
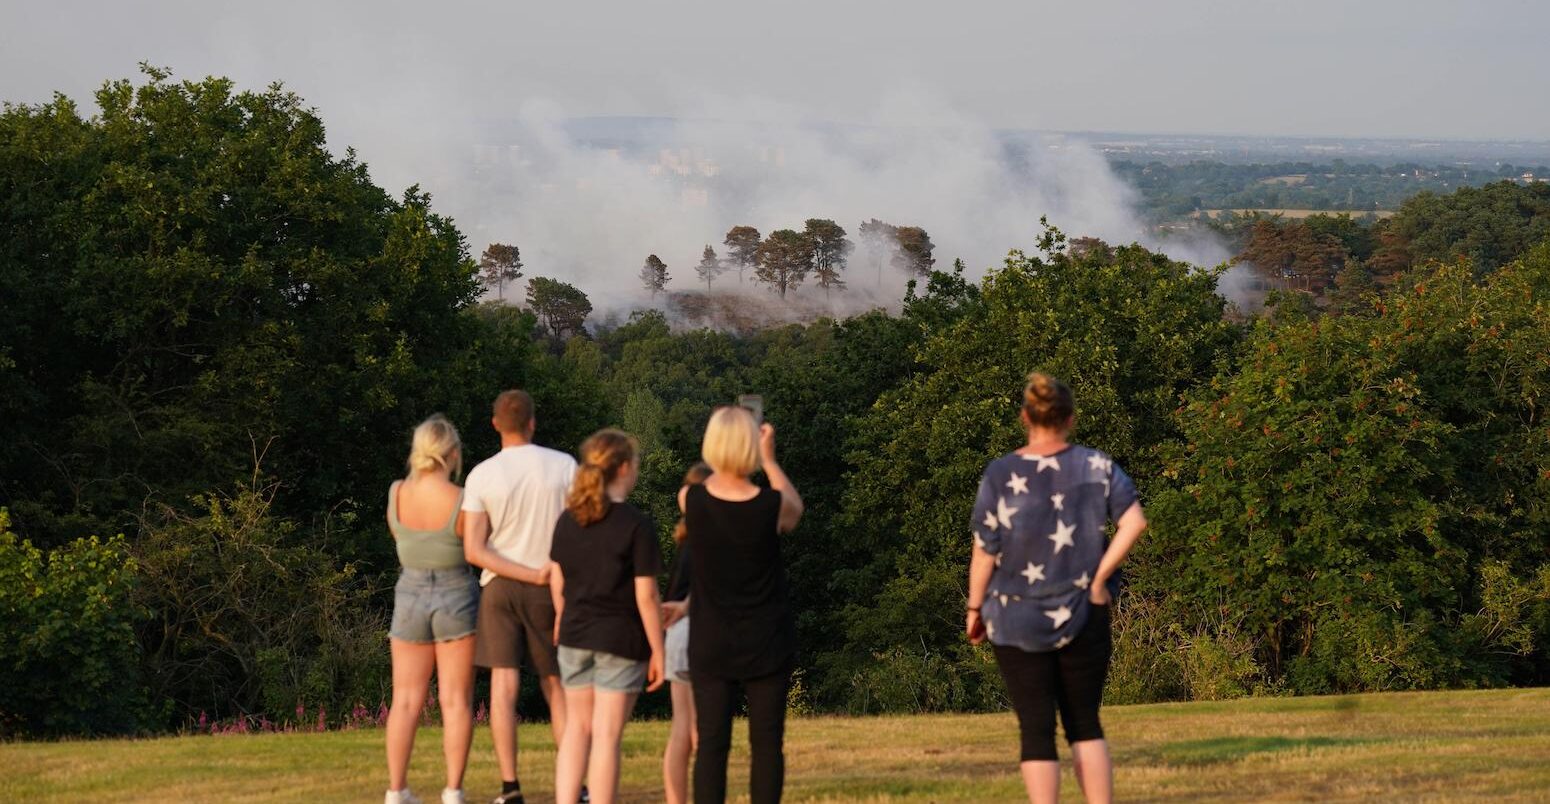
(436, 446)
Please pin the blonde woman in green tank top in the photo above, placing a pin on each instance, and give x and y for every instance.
(435, 607)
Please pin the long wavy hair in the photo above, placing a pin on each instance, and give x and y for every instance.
(603, 454)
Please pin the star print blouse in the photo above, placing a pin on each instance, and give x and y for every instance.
(1045, 519)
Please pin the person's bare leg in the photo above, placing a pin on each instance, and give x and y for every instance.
(680, 745)
(1094, 770)
(503, 719)
(455, 689)
(412, 666)
(554, 695)
(570, 764)
(610, 711)
(1042, 779)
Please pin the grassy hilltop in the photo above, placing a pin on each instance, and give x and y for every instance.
(1401, 746)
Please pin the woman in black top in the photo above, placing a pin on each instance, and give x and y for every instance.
(743, 633)
(608, 627)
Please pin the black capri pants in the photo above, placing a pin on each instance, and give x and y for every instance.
(1070, 679)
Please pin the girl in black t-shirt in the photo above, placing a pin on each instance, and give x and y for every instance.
(609, 627)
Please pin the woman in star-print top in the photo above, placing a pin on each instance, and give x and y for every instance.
(1041, 581)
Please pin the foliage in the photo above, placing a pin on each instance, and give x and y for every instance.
(498, 265)
(1490, 225)
(653, 275)
(913, 255)
(1171, 191)
(67, 642)
(784, 260)
(191, 272)
(1129, 332)
(1294, 253)
(742, 244)
(1341, 502)
(1348, 486)
(561, 307)
(830, 251)
(710, 267)
(247, 621)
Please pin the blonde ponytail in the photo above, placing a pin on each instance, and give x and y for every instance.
(436, 446)
(603, 454)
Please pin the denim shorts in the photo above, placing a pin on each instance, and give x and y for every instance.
(435, 605)
(580, 667)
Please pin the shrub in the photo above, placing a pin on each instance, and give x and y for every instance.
(248, 620)
(68, 656)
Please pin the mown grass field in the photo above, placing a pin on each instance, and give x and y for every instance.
(1445, 746)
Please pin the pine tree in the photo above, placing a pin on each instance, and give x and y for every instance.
(710, 267)
(498, 265)
(654, 275)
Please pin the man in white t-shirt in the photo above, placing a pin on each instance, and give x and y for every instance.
(510, 504)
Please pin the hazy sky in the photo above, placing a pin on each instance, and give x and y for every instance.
(1413, 68)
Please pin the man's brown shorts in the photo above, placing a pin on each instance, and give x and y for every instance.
(516, 623)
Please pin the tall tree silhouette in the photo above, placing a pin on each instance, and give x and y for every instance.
(742, 244)
(654, 275)
(710, 267)
(498, 265)
(830, 252)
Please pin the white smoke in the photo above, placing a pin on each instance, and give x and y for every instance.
(588, 210)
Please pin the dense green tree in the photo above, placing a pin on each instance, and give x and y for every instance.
(831, 251)
(1367, 495)
(653, 275)
(561, 307)
(742, 244)
(914, 251)
(785, 259)
(1354, 289)
(1490, 225)
(498, 265)
(1355, 236)
(191, 272)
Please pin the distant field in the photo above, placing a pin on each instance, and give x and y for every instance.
(1300, 213)
(1447, 746)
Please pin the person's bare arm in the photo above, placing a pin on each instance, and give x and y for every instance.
(557, 596)
(981, 566)
(674, 611)
(650, 605)
(477, 551)
(1131, 524)
(790, 501)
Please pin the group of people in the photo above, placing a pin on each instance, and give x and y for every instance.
(568, 587)
(567, 584)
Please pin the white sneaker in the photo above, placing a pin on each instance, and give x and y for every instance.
(450, 796)
(403, 796)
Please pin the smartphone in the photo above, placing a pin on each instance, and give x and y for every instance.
(755, 404)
